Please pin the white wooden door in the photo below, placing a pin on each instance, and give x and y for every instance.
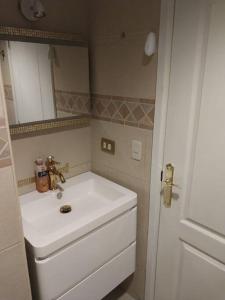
(191, 244)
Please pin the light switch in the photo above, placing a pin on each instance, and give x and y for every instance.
(136, 150)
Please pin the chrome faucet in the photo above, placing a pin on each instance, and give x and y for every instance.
(54, 174)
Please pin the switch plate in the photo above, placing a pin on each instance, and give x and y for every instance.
(108, 146)
(136, 150)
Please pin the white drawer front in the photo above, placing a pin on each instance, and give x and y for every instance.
(63, 270)
(105, 279)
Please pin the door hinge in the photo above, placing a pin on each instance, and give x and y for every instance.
(161, 176)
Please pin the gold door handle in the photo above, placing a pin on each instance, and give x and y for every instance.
(168, 185)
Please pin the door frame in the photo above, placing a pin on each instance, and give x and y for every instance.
(162, 91)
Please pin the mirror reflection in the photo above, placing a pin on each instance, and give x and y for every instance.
(43, 81)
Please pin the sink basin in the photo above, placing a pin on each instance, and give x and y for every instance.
(94, 201)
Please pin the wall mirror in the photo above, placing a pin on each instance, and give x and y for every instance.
(45, 78)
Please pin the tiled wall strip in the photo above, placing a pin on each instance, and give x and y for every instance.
(128, 111)
(30, 180)
(8, 92)
(135, 112)
(72, 102)
(5, 157)
(49, 126)
(24, 33)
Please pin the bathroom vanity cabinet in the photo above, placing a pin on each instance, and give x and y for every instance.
(88, 257)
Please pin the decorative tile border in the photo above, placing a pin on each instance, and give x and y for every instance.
(5, 158)
(41, 35)
(72, 102)
(31, 180)
(8, 92)
(5, 162)
(135, 112)
(48, 126)
(25, 181)
(27, 185)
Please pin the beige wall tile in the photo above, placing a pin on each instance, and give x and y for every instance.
(71, 70)
(68, 146)
(2, 113)
(120, 68)
(10, 222)
(123, 136)
(13, 274)
(132, 174)
(5, 159)
(14, 281)
(116, 16)
(135, 285)
(2, 120)
(127, 72)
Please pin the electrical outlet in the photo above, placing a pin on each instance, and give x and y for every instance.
(108, 146)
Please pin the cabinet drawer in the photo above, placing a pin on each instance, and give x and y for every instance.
(105, 279)
(60, 272)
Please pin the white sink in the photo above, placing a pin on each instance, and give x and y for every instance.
(94, 201)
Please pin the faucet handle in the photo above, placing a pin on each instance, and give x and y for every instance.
(51, 160)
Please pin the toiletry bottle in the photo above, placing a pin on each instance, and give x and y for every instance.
(41, 176)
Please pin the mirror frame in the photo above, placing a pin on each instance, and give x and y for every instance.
(24, 130)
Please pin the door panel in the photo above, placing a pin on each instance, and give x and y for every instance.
(207, 205)
(201, 277)
(200, 237)
(195, 145)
